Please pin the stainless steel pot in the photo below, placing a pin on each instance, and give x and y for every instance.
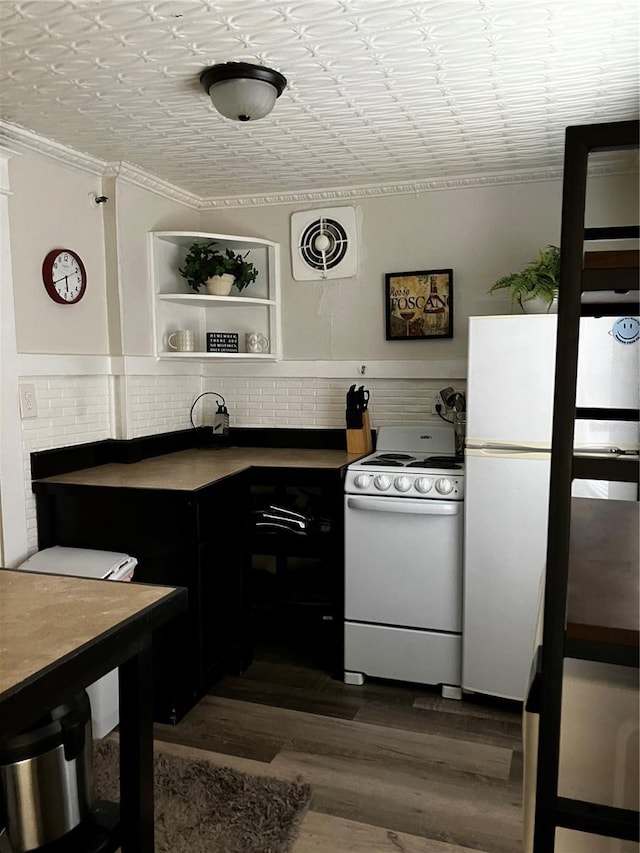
(46, 776)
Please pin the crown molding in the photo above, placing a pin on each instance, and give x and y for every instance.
(419, 186)
(134, 175)
(26, 140)
(17, 139)
(377, 190)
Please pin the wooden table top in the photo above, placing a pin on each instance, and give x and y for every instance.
(47, 618)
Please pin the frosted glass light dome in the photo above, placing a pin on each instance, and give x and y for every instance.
(241, 91)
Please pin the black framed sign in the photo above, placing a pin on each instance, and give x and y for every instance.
(419, 305)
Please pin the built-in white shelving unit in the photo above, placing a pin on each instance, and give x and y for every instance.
(176, 306)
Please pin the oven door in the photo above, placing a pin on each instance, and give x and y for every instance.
(403, 562)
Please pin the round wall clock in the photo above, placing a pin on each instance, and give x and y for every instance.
(64, 276)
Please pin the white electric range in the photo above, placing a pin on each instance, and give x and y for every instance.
(403, 559)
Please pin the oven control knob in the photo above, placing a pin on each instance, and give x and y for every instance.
(402, 484)
(382, 482)
(444, 486)
(362, 481)
(423, 485)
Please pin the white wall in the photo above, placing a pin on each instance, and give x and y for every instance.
(481, 233)
(49, 208)
(138, 212)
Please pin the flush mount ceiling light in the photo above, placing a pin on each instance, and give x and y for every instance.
(242, 91)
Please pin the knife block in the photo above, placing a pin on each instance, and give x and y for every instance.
(359, 440)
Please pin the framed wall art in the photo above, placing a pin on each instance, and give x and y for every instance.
(419, 305)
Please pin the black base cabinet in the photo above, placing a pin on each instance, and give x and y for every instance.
(180, 538)
(295, 566)
(250, 586)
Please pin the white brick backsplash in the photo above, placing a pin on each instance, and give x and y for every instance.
(77, 409)
(71, 410)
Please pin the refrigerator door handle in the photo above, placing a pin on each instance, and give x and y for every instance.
(500, 448)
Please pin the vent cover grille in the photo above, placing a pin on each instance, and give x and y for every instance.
(323, 244)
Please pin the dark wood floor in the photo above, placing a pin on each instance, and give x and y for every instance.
(394, 767)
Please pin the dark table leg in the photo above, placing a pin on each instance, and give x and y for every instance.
(136, 752)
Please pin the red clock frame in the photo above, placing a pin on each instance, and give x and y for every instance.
(47, 276)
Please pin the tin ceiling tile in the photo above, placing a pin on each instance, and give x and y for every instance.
(379, 91)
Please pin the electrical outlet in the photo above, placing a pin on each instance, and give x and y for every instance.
(28, 405)
(437, 401)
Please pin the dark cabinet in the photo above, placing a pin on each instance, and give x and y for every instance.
(295, 565)
(248, 584)
(180, 538)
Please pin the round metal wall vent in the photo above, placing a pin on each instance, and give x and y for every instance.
(324, 244)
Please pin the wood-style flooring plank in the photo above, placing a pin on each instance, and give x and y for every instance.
(392, 692)
(474, 817)
(281, 695)
(321, 833)
(474, 729)
(203, 732)
(394, 767)
(323, 735)
(287, 675)
(468, 812)
(487, 708)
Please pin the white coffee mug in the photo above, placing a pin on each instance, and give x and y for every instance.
(181, 341)
(256, 342)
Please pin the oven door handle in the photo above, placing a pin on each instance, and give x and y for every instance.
(422, 507)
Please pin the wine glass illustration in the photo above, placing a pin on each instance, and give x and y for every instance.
(407, 316)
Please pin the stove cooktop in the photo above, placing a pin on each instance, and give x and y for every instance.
(416, 462)
(405, 460)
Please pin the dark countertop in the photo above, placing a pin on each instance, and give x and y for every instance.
(193, 469)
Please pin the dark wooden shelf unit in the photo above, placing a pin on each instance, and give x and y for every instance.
(605, 272)
(591, 589)
(624, 469)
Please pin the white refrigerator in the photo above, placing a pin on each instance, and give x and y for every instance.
(509, 415)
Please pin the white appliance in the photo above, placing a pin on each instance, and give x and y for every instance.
(88, 563)
(510, 403)
(403, 559)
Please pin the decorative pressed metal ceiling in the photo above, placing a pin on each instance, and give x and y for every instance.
(380, 92)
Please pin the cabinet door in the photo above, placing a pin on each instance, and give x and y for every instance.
(221, 551)
(295, 574)
(159, 529)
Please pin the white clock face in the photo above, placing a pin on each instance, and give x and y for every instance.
(67, 277)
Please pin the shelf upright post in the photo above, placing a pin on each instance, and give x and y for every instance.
(551, 810)
(555, 599)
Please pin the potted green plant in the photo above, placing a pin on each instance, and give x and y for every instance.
(218, 270)
(534, 288)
